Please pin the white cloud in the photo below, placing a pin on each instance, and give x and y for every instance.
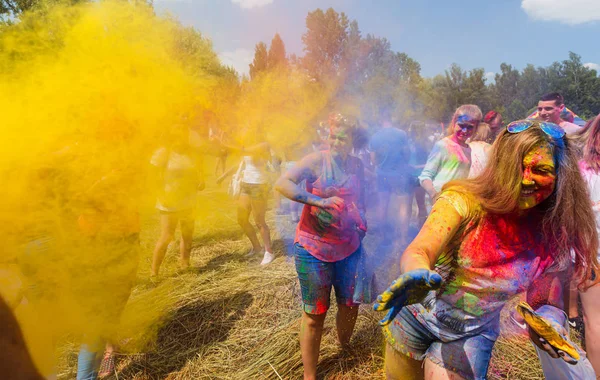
(247, 4)
(565, 11)
(490, 76)
(592, 66)
(238, 58)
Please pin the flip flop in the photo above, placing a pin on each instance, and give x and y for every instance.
(545, 330)
(107, 367)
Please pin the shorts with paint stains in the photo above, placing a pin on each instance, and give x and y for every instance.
(317, 277)
(468, 357)
(256, 191)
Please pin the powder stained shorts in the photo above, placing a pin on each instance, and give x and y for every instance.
(256, 191)
(317, 277)
(468, 357)
(396, 184)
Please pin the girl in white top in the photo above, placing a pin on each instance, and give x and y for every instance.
(590, 299)
(253, 197)
(480, 149)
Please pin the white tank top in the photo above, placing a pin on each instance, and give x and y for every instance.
(254, 173)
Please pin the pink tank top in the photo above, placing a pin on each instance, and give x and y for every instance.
(331, 242)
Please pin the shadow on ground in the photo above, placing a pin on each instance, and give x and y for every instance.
(188, 331)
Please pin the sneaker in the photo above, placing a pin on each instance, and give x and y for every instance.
(267, 258)
(576, 323)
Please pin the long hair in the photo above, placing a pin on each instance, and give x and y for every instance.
(568, 219)
(591, 144)
(469, 112)
(483, 133)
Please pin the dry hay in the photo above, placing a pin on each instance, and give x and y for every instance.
(229, 318)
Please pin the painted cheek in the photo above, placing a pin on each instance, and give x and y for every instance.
(544, 181)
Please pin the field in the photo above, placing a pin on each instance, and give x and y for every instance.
(229, 318)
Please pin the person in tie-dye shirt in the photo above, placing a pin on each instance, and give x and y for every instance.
(508, 231)
(327, 247)
(450, 157)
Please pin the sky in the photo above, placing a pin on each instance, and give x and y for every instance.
(436, 33)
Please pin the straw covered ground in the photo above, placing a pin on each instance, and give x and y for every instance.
(229, 318)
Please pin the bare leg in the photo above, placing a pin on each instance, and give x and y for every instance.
(187, 235)
(384, 201)
(420, 199)
(404, 213)
(243, 214)
(311, 330)
(168, 223)
(590, 300)
(296, 207)
(259, 208)
(435, 372)
(345, 321)
(573, 298)
(400, 367)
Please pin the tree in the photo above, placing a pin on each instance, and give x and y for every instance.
(12, 9)
(324, 42)
(506, 87)
(261, 60)
(276, 56)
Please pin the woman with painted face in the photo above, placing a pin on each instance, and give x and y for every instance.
(487, 239)
(450, 157)
(328, 238)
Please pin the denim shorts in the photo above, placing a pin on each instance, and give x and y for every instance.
(256, 191)
(468, 357)
(317, 277)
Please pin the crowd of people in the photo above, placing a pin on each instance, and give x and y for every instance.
(512, 210)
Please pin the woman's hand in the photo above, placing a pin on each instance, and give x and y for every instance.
(407, 289)
(552, 351)
(201, 185)
(546, 331)
(333, 203)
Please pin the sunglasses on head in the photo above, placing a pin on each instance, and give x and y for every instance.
(550, 129)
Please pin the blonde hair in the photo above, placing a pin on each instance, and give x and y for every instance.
(483, 133)
(470, 111)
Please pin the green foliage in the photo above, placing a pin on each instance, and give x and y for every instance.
(276, 56)
(324, 42)
(261, 60)
(10, 10)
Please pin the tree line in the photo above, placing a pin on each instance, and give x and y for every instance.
(363, 76)
(374, 79)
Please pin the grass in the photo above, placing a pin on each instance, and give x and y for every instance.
(229, 318)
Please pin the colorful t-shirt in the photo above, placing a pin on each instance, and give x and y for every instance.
(490, 259)
(447, 161)
(331, 242)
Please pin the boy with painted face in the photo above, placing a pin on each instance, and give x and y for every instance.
(486, 240)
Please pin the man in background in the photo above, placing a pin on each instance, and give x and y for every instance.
(549, 108)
